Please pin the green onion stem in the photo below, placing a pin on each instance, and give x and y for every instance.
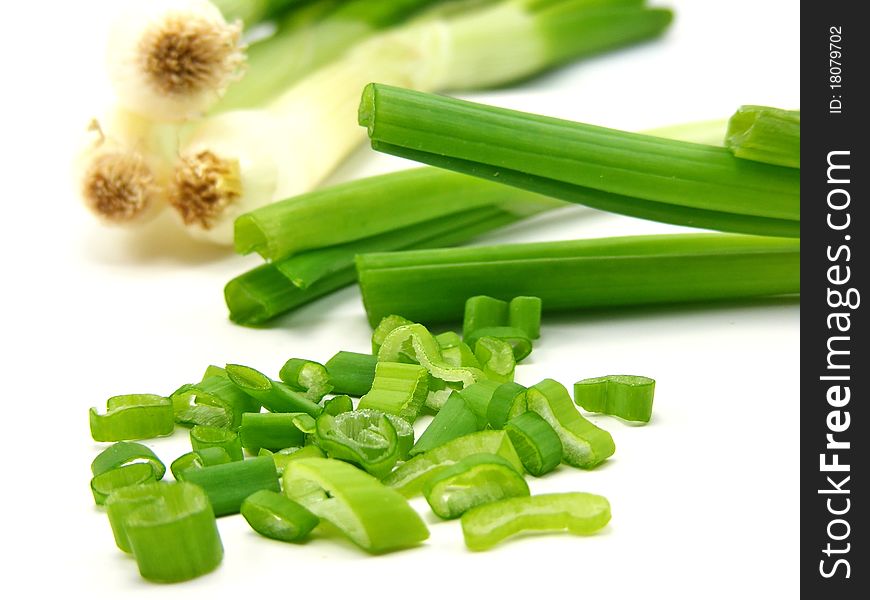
(580, 274)
(227, 485)
(765, 134)
(351, 373)
(629, 173)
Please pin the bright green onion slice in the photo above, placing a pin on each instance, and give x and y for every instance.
(496, 357)
(525, 315)
(205, 457)
(272, 431)
(580, 274)
(104, 484)
(583, 444)
(373, 516)
(455, 352)
(627, 396)
(764, 134)
(337, 404)
(120, 454)
(483, 311)
(285, 455)
(385, 328)
(536, 442)
(507, 402)
(578, 513)
(170, 529)
(351, 373)
(410, 477)
(275, 516)
(306, 376)
(202, 436)
(517, 339)
(478, 397)
(215, 401)
(398, 388)
(454, 420)
(275, 396)
(132, 417)
(227, 485)
(475, 480)
(364, 437)
(634, 174)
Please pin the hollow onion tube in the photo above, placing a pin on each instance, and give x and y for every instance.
(579, 274)
(766, 134)
(373, 516)
(124, 453)
(228, 485)
(170, 529)
(454, 420)
(265, 292)
(536, 442)
(132, 417)
(275, 396)
(306, 376)
(626, 396)
(628, 173)
(578, 513)
(228, 166)
(203, 436)
(398, 388)
(106, 483)
(352, 373)
(275, 516)
(365, 437)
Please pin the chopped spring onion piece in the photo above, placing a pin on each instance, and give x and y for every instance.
(454, 420)
(475, 480)
(366, 438)
(272, 431)
(306, 376)
(410, 477)
(634, 174)
(227, 485)
(478, 397)
(627, 396)
(170, 529)
(337, 405)
(496, 358)
(536, 442)
(202, 436)
(275, 396)
(351, 373)
(170, 60)
(228, 167)
(120, 454)
(583, 444)
(525, 315)
(132, 417)
(764, 134)
(522, 313)
(215, 401)
(105, 483)
(198, 459)
(517, 339)
(398, 388)
(276, 516)
(405, 433)
(373, 516)
(454, 351)
(508, 401)
(266, 291)
(385, 328)
(417, 343)
(578, 513)
(483, 311)
(580, 274)
(285, 455)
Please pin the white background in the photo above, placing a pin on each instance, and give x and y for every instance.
(705, 498)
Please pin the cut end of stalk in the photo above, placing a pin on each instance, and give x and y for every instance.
(186, 54)
(120, 187)
(366, 114)
(203, 187)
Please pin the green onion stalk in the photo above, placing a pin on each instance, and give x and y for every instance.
(237, 161)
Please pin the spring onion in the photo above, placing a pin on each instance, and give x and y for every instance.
(764, 134)
(536, 442)
(275, 516)
(410, 477)
(583, 444)
(306, 376)
(203, 436)
(473, 481)
(579, 274)
(134, 474)
(272, 431)
(385, 328)
(275, 396)
(227, 167)
(337, 404)
(578, 513)
(627, 396)
(456, 352)
(227, 485)
(285, 455)
(170, 529)
(132, 417)
(634, 174)
(398, 388)
(496, 358)
(215, 401)
(478, 397)
(454, 420)
(366, 438)
(373, 516)
(351, 373)
(204, 457)
(507, 401)
(170, 60)
(124, 453)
